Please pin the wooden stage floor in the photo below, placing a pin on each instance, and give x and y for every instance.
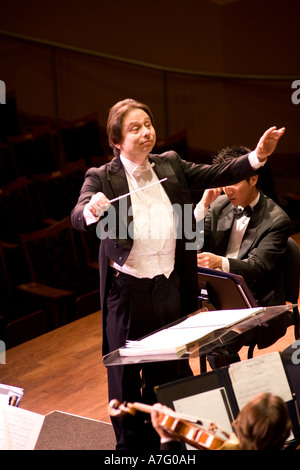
(62, 370)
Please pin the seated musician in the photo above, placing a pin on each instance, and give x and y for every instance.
(250, 243)
(262, 424)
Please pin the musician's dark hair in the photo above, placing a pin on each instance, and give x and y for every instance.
(230, 152)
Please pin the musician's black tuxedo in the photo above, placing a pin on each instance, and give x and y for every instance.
(261, 256)
(181, 175)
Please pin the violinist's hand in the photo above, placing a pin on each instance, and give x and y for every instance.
(232, 443)
(209, 260)
(98, 204)
(155, 413)
(267, 143)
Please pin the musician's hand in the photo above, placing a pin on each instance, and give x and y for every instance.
(210, 195)
(232, 443)
(209, 260)
(156, 409)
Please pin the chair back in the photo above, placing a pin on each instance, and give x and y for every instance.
(292, 271)
(51, 254)
(4, 283)
(58, 191)
(19, 210)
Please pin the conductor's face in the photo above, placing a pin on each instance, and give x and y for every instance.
(138, 136)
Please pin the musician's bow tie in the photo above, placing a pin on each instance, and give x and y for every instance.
(239, 212)
(140, 169)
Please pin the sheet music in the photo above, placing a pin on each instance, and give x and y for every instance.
(262, 374)
(217, 318)
(175, 338)
(208, 406)
(19, 428)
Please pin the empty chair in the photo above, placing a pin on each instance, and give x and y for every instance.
(25, 328)
(82, 139)
(9, 118)
(19, 321)
(59, 275)
(177, 142)
(58, 191)
(19, 210)
(8, 171)
(37, 151)
(5, 291)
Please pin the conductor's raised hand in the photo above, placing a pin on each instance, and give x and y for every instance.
(268, 142)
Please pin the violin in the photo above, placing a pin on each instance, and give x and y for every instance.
(187, 429)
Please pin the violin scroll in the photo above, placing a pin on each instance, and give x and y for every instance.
(116, 408)
(113, 408)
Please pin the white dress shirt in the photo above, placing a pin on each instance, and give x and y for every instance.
(237, 233)
(154, 242)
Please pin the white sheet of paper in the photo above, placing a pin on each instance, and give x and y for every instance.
(217, 318)
(19, 428)
(188, 331)
(208, 406)
(262, 374)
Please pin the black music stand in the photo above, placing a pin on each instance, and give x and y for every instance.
(218, 290)
(222, 290)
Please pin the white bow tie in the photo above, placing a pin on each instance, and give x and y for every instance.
(140, 169)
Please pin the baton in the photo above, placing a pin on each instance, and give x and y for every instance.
(136, 190)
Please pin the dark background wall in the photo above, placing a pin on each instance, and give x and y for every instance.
(240, 38)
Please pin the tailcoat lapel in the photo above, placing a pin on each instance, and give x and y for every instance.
(119, 186)
(117, 178)
(222, 235)
(164, 169)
